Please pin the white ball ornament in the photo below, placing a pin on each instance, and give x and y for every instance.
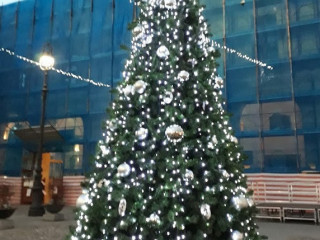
(142, 133)
(163, 52)
(128, 90)
(183, 76)
(240, 202)
(168, 97)
(188, 176)
(219, 81)
(138, 31)
(236, 235)
(123, 170)
(205, 211)
(174, 133)
(140, 86)
(170, 4)
(122, 207)
(154, 218)
(82, 199)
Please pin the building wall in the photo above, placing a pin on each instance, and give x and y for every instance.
(275, 113)
(85, 36)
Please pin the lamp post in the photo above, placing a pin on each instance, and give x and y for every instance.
(46, 62)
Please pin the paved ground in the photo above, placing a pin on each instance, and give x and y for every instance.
(35, 228)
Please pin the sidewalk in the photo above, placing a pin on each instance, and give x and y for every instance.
(35, 228)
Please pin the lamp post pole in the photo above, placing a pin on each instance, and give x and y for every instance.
(36, 208)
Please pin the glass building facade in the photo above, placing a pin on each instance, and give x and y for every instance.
(275, 113)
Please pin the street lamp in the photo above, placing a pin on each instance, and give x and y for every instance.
(46, 62)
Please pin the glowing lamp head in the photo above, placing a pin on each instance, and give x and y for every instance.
(46, 62)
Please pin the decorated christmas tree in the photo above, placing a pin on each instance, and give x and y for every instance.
(169, 166)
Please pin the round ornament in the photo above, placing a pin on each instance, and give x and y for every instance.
(122, 207)
(236, 235)
(102, 183)
(205, 211)
(163, 52)
(168, 97)
(174, 133)
(82, 199)
(234, 139)
(137, 31)
(188, 176)
(142, 133)
(240, 202)
(112, 124)
(154, 218)
(140, 86)
(219, 81)
(170, 4)
(128, 90)
(225, 173)
(183, 76)
(123, 170)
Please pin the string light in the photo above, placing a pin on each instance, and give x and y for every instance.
(241, 55)
(11, 53)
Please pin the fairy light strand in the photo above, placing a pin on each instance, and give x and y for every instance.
(11, 53)
(241, 55)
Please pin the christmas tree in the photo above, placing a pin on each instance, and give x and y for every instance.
(169, 166)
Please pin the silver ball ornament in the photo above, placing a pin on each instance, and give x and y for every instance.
(163, 52)
(236, 235)
(183, 76)
(123, 170)
(174, 133)
(168, 97)
(140, 86)
(122, 207)
(142, 133)
(205, 211)
(82, 199)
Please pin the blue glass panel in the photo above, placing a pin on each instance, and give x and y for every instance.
(34, 108)
(42, 25)
(270, 14)
(61, 19)
(306, 73)
(101, 34)
(241, 85)
(280, 154)
(24, 28)
(239, 18)
(305, 40)
(214, 15)
(122, 16)
(303, 11)
(245, 118)
(13, 81)
(252, 150)
(56, 104)
(12, 163)
(78, 101)
(309, 152)
(8, 23)
(309, 107)
(99, 99)
(273, 45)
(80, 33)
(95, 127)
